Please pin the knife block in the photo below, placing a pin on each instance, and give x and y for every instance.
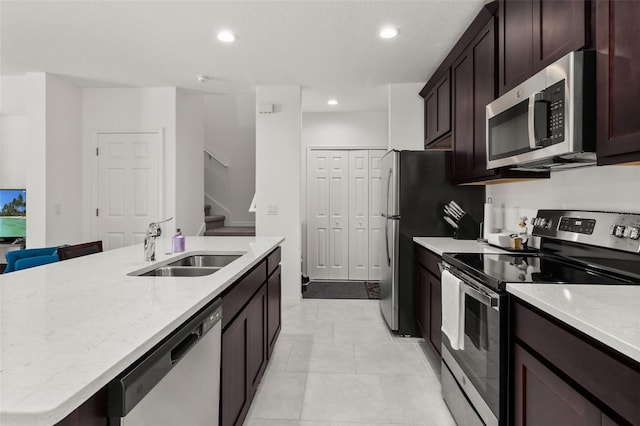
(468, 229)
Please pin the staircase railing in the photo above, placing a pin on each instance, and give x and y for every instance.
(215, 157)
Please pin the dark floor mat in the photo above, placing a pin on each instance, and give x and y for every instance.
(340, 290)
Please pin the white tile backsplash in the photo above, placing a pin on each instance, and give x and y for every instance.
(608, 188)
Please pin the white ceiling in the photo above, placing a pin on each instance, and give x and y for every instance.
(330, 48)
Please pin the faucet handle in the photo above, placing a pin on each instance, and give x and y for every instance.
(154, 228)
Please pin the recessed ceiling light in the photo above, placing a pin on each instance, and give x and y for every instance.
(389, 32)
(226, 36)
(332, 102)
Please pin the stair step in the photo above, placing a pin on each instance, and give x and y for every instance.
(215, 221)
(230, 231)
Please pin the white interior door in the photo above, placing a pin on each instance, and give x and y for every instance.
(358, 215)
(339, 215)
(318, 214)
(377, 253)
(128, 186)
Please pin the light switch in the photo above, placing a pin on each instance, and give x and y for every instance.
(57, 209)
(272, 209)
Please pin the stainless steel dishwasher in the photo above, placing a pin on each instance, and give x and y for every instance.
(177, 382)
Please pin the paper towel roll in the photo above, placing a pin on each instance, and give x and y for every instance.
(488, 220)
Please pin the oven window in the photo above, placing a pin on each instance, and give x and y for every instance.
(480, 357)
(509, 132)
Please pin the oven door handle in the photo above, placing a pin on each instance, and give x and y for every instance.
(480, 296)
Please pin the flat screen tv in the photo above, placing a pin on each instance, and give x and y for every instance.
(13, 214)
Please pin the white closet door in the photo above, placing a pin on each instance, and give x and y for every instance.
(339, 216)
(376, 221)
(358, 215)
(318, 177)
(128, 186)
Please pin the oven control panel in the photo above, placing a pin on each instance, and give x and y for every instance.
(620, 231)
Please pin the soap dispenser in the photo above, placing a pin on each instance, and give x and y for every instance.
(177, 242)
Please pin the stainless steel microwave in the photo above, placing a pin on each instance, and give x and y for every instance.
(547, 122)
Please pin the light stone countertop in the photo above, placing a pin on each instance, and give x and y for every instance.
(69, 328)
(440, 245)
(608, 313)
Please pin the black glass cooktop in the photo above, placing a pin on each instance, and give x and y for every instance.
(496, 270)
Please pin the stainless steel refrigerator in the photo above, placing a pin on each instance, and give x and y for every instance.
(415, 187)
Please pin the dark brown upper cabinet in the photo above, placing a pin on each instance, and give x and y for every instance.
(437, 110)
(536, 33)
(618, 82)
(473, 87)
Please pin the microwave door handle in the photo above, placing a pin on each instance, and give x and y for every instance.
(531, 120)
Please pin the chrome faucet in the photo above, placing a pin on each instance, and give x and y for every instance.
(153, 232)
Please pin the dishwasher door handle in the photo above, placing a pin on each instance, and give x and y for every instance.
(183, 347)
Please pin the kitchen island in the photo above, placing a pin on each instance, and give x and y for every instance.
(69, 328)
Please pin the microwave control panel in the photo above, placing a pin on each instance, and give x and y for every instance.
(554, 95)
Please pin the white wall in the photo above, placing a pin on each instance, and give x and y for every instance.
(189, 177)
(129, 109)
(13, 132)
(406, 116)
(367, 129)
(278, 153)
(230, 133)
(609, 188)
(36, 146)
(63, 162)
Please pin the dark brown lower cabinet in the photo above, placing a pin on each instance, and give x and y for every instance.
(428, 297)
(93, 412)
(250, 330)
(233, 378)
(244, 358)
(560, 376)
(273, 309)
(543, 398)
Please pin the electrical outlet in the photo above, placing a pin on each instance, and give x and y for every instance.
(272, 209)
(57, 209)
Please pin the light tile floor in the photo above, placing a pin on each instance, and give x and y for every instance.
(337, 364)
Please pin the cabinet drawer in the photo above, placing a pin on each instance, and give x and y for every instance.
(428, 259)
(273, 260)
(239, 295)
(607, 375)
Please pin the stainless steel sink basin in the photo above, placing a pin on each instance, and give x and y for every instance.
(179, 271)
(194, 265)
(206, 260)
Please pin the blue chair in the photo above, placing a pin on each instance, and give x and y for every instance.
(28, 258)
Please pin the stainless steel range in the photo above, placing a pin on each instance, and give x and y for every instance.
(577, 247)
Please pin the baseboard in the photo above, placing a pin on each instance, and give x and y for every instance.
(203, 227)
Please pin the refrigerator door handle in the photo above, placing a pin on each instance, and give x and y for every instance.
(386, 236)
(387, 216)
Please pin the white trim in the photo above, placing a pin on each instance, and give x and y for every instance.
(209, 197)
(215, 157)
(203, 227)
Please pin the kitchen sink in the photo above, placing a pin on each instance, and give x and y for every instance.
(193, 265)
(206, 260)
(179, 271)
